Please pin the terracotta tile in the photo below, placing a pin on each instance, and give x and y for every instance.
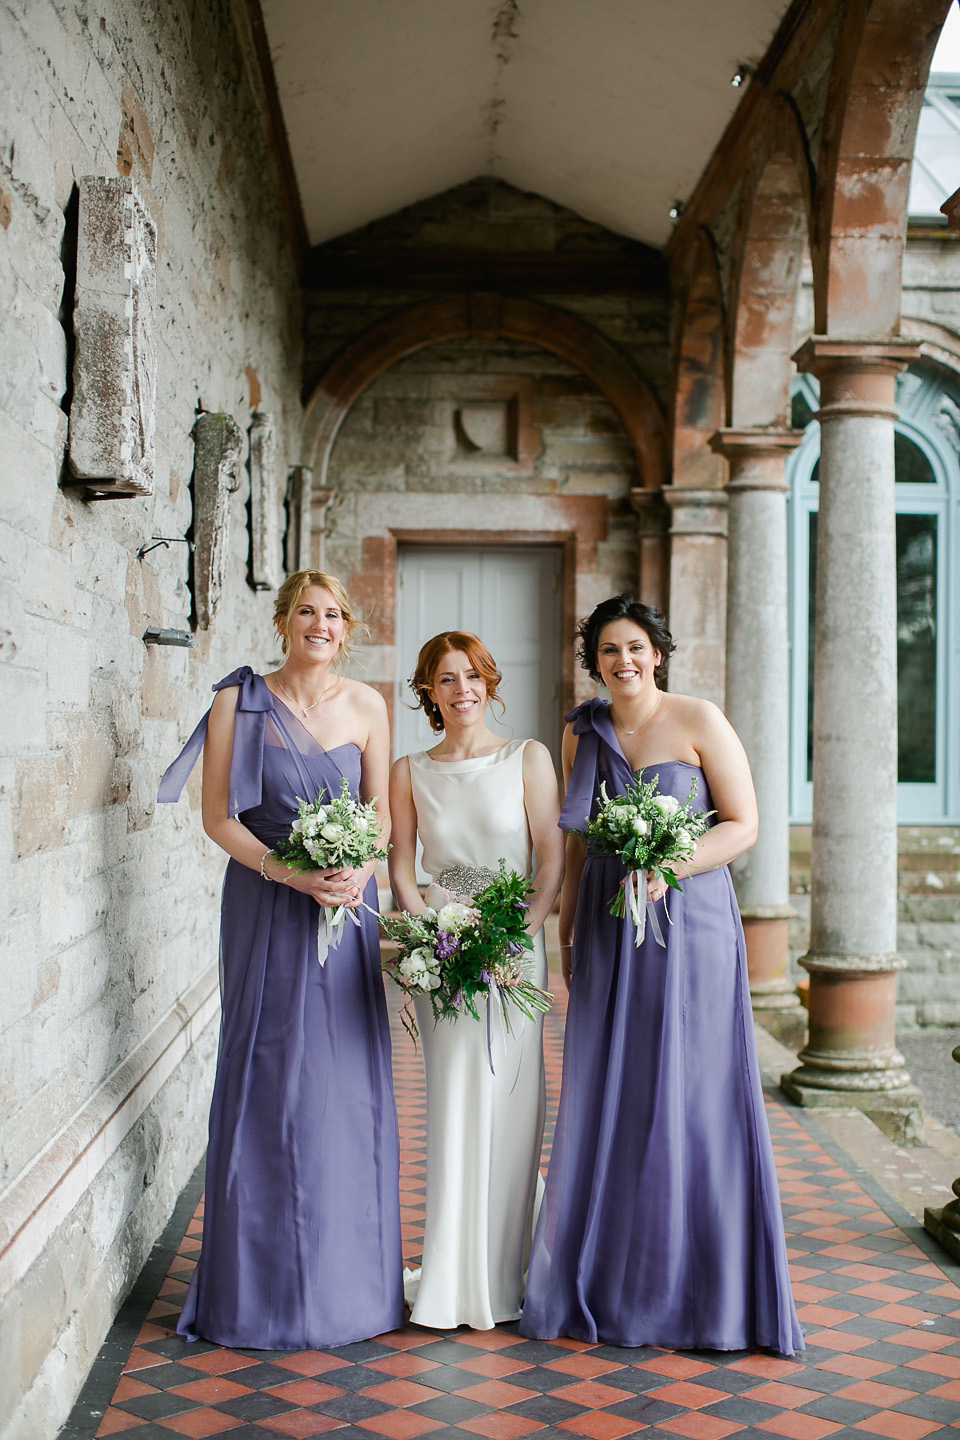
(309, 1363)
(798, 1427)
(824, 1315)
(784, 1397)
(804, 1272)
(950, 1391)
(770, 1367)
(882, 1292)
(403, 1365)
(493, 1392)
(402, 1393)
(699, 1426)
(813, 1294)
(130, 1389)
(678, 1367)
(692, 1397)
(149, 1331)
(590, 1393)
(211, 1390)
(404, 1339)
(220, 1362)
(858, 1367)
(301, 1424)
(899, 1314)
(160, 1308)
(492, 1339)
(897, 1426)
(565, 1342)
(198, 1423)
(306, 1391)
(866, 1272)
(501, 1426)
(143, 1360)
(400, 1424)
(493, 1364)
(115, 1422)
(585, 1367)
(837, 1340)
(845, 1252)
(921, 1339)
(874, 1392)
(936, 1365)
(598, 1425)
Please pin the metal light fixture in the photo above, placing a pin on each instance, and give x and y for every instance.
(677, 209)
(741, 75)
(156, 635)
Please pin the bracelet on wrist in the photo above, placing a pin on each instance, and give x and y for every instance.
(263, 861)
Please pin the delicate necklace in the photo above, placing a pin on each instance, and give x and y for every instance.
(305, 709)
(623, 729)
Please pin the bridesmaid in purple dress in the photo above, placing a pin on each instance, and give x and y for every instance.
(301, 1238)
(661, 1223)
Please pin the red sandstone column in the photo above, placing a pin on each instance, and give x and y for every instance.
(758, 692)
(851, 1056)
(653, 546)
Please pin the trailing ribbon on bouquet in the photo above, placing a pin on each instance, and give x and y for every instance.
(331, 923)
(639, 906)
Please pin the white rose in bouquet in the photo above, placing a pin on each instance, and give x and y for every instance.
(455, 917)
(332, 831)
(685, 839)
(667, 805)
(639, 826)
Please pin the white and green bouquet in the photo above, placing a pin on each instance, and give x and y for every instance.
(465, 953)
(649, 833)
(336, 833)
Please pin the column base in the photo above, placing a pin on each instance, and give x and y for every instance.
(766, 931)
(898, 1113)
(935, 1225)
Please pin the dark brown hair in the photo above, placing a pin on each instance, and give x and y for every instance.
(624, 607)
(428, 663)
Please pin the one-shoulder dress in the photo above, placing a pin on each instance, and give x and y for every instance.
(661, 1224)
(485, 1086)
(301, 1235)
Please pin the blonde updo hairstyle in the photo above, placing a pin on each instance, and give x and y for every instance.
(428, 664)
(291, 593)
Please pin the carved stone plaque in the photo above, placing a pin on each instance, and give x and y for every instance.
(218, 442)
(296, 550)
(115, 369)
(266, 570)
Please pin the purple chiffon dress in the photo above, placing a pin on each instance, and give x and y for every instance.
(301, 1235)
(661, 1223)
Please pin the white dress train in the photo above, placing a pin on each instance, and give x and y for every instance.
(484, 1127)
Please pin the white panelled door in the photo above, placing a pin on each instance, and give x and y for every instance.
(509, 596)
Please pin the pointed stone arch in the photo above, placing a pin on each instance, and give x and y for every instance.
(485, 316)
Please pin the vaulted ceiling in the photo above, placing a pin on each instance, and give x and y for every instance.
(609, 107)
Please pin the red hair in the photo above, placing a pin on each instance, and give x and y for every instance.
(428, 663)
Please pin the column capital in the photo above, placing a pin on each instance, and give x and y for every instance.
(653, 515)
(756, 456)
(696, 512)
(822, 354)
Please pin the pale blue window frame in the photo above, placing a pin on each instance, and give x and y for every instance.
(925, 402)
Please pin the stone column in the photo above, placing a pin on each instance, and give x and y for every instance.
(851, 1056)
(653, 546)
(321, 498)
(698, 582)
(758, 692)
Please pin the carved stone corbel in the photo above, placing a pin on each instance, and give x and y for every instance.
(296, 550)
(115, 368)
(218, 442)
(265, 563)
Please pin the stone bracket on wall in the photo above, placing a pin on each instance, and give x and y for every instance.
(266, 570)
(299, 504)
(115, 368)
(218, 442)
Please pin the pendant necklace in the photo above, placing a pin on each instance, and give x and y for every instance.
(304, 709)
(624, 731)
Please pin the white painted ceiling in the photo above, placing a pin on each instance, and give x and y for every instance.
(609, 107)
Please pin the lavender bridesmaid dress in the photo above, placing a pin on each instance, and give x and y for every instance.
(301, 1236)
(661, 1223)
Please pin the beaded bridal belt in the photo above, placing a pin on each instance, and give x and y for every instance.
(465, 881)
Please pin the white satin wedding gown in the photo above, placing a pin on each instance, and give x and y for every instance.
(483, 1128)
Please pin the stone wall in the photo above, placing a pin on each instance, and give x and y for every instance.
(109, 908)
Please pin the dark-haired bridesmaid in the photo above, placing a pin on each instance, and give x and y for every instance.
(661, 1223)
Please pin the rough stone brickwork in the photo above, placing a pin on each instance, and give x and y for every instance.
(108, 909)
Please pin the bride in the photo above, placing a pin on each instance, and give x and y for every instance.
(475, 799)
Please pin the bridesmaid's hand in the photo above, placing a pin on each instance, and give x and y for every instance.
(566, 963)
(327, 887)
(656, 887)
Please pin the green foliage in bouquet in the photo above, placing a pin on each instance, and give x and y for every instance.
(339, 832)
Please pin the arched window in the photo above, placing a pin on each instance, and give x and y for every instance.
(927, 461)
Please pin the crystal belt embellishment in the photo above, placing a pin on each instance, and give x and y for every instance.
(466, 880)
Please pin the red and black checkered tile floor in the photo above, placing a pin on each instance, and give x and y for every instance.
(880, 1304)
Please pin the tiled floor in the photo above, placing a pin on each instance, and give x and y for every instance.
(880, 1304)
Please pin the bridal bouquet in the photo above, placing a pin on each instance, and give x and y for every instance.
(463, 953)
(329, 835)
(649, 834)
